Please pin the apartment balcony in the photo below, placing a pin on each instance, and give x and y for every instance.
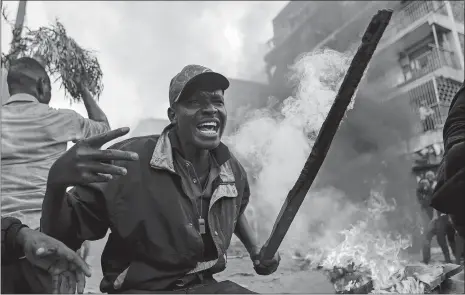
(413, 12)
(430, 102)
(431, 61)
(412, 23)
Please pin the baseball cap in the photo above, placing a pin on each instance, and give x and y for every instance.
(192, 76)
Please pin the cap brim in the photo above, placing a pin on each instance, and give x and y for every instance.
(208, 80)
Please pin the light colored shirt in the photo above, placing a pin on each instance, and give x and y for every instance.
(34, 136)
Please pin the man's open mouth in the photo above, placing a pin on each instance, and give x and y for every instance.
(209, 127)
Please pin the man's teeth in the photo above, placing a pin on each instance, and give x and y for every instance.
(208, 127)
(208, 131)
(208, 124)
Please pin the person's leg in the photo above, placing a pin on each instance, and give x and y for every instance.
(450, 233)
(441, 238)
(427, 244)
(429, 212)
(459, 249)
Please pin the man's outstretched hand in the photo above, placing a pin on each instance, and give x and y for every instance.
(67, 268)
(86, 163)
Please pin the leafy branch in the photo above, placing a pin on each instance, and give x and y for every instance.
(62, 57)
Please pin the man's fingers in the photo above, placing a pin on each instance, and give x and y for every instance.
(95, 178)
(56, 284)
(104, 168)
(99, 140)
(112, 155)
(68, 283)
(76, 260)
(63, 283)
(80, 281)
(72, 283)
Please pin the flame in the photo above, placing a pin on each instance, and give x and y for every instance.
(371, 250)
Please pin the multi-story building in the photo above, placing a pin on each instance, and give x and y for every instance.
(303, 26)
(425, 41)
(241, 97)
(419, 59)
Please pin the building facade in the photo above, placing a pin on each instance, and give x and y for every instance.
(241, 97)
(419, 62)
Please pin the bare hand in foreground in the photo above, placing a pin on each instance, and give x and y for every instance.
(86, 163)
(54, 257)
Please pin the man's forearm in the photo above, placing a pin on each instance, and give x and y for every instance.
(94, 112)
(246, 235)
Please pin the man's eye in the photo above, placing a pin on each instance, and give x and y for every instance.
(193, 102)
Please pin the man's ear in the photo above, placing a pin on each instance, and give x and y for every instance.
(172, 115)
(40, 87)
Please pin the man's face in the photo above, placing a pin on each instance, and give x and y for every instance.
(201, 119)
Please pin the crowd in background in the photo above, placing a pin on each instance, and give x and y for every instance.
(437, 224)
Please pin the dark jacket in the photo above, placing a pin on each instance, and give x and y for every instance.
(10, 249)
(154, 230)
(449, 195)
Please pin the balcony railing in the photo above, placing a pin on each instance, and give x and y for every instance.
(410, 13)
(432, 110)
(435, 59)
(426, 106)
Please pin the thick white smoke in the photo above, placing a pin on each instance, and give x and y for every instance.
(274, 145)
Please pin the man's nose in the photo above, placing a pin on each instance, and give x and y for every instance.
(209, 109)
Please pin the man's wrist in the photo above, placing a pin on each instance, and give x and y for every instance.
(85, 94)
(20, 232)
(254, 251)
(21, 235)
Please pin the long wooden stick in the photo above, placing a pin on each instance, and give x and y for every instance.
(18, 29)
(313, 164)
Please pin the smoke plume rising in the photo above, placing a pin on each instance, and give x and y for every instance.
(274, 143)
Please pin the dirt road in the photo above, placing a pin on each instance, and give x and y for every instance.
(288, 278)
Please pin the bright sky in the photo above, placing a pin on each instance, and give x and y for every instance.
(142, 45)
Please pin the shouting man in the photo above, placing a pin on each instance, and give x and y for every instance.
(172, 216)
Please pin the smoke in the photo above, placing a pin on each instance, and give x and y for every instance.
(255, 32)
(274, 143)
(370, 151)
